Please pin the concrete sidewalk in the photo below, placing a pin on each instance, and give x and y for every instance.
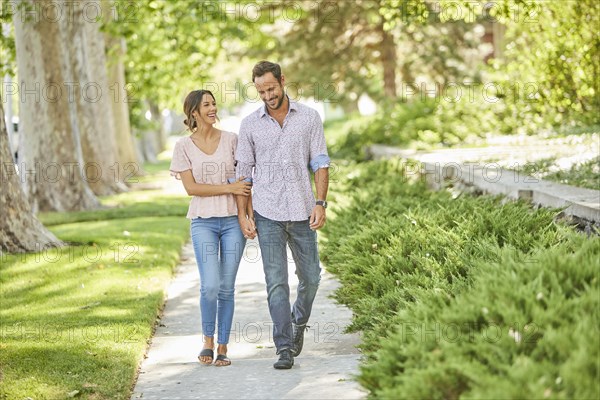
(324, 370)
(441, 167)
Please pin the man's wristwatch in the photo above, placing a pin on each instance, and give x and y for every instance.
(322, 203)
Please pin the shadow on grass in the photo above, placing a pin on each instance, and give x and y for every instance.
(160, 206)
(75, 320)
(78, 317)
(71, 366)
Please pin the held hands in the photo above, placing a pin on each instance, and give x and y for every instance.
(241, 187)
(248, 227)
(317, 218)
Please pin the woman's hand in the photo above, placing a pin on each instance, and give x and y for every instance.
(241, 187)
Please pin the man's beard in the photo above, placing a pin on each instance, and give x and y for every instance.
(278, 105)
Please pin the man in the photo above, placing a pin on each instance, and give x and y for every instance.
(281, 141)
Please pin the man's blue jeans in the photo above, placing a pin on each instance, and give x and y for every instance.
(272, 238)
(218, 245)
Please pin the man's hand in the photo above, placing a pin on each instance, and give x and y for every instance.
(317, 218)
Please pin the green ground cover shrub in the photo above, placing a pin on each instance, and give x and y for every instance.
(422, 124)
(431, 276)
(585, 174)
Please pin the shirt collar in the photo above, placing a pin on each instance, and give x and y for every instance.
(293, 106)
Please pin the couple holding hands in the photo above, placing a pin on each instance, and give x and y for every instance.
(277, 146)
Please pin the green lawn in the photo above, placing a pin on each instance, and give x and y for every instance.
(76, 321)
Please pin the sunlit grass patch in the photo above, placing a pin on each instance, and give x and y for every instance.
(75, 320)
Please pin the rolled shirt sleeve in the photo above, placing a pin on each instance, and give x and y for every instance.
(319, 158)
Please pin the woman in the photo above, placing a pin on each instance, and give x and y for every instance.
(204, 161)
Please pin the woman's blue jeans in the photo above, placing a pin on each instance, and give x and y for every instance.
(218, 245)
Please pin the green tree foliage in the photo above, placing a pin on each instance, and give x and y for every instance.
(337, 49)
(552, 51)
(172, 46)
(544, 77)
(434, 45)
(560, 52)
(378, 47)
(7, 40)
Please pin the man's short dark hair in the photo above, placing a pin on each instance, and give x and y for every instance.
(264, 67)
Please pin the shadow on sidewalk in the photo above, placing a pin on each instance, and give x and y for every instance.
(324, 370)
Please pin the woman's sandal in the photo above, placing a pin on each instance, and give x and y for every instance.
(206, 353)
(223, 358)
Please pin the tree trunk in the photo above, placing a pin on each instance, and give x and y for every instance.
(388, 62)
(8, 82)
(116, 80)
(20, 229)
(116, 47)
(49, 149)
(145, 146)
(86, 55)
(498, 31)
(160, 134)
(350, 106)
(146, 138)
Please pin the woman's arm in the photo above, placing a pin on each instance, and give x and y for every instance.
(205, 190)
